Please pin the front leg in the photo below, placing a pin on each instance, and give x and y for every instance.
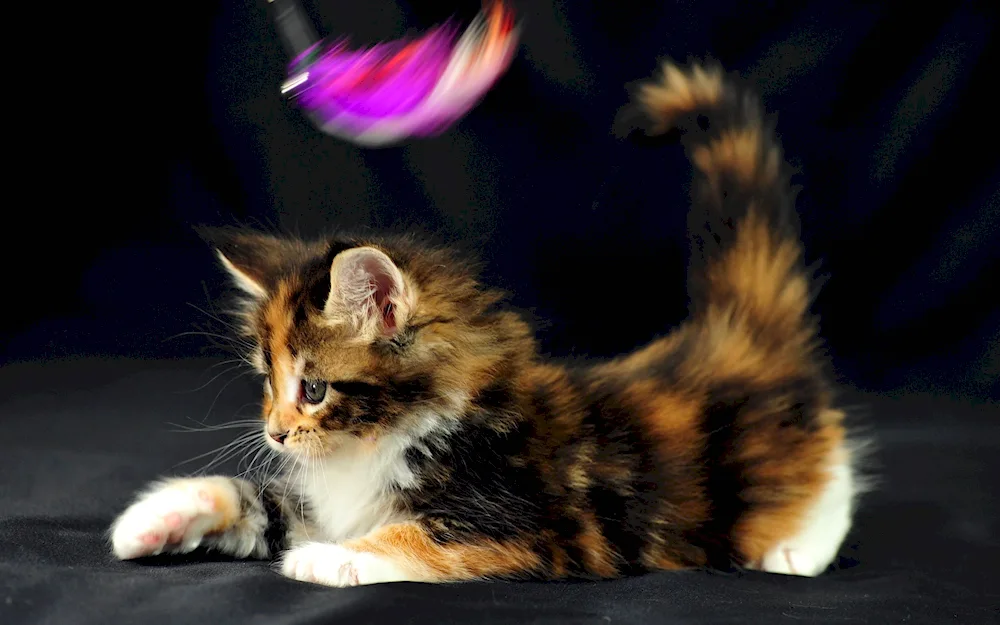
(407, 552)
(181, 514)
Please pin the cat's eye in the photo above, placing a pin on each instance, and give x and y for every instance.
(313, 391)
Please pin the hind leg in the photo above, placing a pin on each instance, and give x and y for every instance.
(815, 546)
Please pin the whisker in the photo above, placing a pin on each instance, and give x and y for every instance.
(226, 362)
(221, 390)
(236, 413)
(242, 439)
(257, 460)
(212, 335)
(232, 425)
(235, 345)
(278, 473)
(214, 378)
(302, 503)
(231, 326)
(232, 453)
(235, 338)
(326, 484)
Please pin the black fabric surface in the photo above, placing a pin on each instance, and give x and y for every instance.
(924, 549)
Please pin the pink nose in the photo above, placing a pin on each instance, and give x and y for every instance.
(278, 437)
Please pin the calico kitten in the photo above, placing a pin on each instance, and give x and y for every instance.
(441, 447)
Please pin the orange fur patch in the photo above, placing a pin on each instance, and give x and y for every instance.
(412, 547)
(764, 272)
(728, 348)
(220, 491)
(598, 556)
(803, 474)
(656, 558)
(672, 416)
(558, 559)
(680, 92)
(757, 286)
(738, 152)
(645, 357)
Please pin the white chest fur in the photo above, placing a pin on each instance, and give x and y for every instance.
(351, 491)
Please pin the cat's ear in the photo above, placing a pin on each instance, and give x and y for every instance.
(369, 292)
(255, 261)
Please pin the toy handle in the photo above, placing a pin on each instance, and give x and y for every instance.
(293, 26)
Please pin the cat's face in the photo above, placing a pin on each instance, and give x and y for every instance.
(333, 376)
(355, 346)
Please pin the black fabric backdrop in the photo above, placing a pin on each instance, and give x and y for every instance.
(887, 108)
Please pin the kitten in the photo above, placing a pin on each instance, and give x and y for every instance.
(437, 445)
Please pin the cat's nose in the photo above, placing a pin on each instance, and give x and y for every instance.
(278, 437)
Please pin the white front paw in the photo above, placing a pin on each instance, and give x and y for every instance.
(788, 560)
(333, 565)
(174, 518)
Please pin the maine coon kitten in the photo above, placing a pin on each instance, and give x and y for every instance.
(443, 448)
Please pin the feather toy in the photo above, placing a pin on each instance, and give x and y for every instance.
(394, 90)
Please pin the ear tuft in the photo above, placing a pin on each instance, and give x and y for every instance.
(254, 260)
(368, 291)
(244, 280)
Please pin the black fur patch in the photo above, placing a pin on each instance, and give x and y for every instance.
(624, 511)
(368, 402)
(276, 533)
(471, 487)
(730, 410)
(498, 397)
(265, 344)
(418, 388)
(356, 389)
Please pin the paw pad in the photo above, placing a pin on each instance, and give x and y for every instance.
(349, 573)
(174, 519)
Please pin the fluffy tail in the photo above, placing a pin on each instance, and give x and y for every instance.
(750, 290)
